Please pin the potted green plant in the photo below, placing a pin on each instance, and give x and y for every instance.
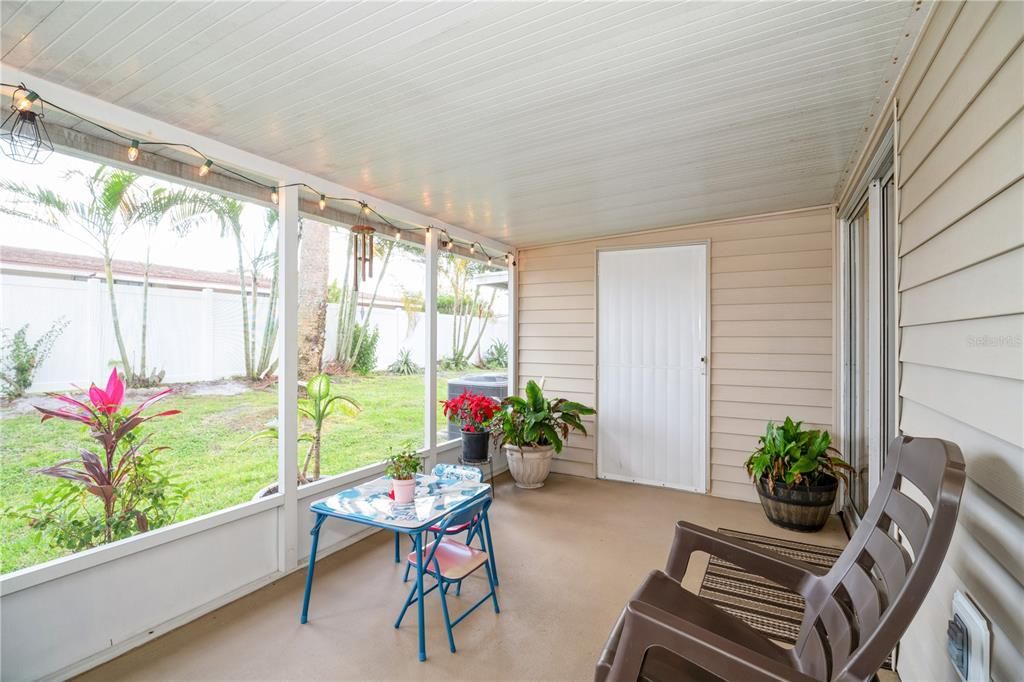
(796, 475)
(533, 429)
(473, 413)
(402, 467)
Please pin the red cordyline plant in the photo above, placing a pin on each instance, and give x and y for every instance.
(114, 428)
(472, 411)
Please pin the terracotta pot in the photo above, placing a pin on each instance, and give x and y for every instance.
(404, 489)
(801, 508)
(529, 466)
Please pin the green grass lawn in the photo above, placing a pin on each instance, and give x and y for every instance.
(208, 448)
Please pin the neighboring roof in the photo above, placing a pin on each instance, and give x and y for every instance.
(90, 265)
(498, 280)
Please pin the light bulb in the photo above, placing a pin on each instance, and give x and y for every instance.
(398, 235)
(133, 151)
(472, 249)
(323, 201)
(273, 195)
(488, 260)
(448, 245)
(24, 103)
(366, 209)
(204, 170)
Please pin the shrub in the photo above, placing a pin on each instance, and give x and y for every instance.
(19, 359)
(126, 478)
(404, 364)
(454, 362)
(496, 356)
(366, 360)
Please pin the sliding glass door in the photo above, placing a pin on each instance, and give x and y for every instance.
(870, 392)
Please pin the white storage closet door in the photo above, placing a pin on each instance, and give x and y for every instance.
(652, 345)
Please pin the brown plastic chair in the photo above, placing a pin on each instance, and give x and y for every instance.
(854, 614)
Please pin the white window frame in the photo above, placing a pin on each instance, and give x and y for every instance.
(882, 398)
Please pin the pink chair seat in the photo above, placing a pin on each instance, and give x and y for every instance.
(452, 530)
(455, 559)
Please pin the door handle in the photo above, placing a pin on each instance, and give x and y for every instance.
(703, 365)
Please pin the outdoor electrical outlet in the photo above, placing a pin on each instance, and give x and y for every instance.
(968, 640)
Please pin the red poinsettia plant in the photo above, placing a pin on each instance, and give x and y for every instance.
(472, 411)
(114, 475)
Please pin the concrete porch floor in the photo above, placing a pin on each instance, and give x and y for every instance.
(569, 555)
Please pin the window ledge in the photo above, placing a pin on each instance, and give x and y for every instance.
(81, 561)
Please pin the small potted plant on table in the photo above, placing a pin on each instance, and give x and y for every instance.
(473, 412)
(532, 429)
(796, 475)
(402, 468)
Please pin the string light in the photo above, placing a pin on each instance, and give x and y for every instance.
(24, 101)
(38, 147)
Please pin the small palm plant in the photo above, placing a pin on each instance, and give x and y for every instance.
(320, 404)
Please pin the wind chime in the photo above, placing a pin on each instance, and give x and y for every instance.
(362, 233)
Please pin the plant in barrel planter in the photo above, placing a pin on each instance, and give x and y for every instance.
(402, 467)
(533, 429)
(796, 475)
(473, 413)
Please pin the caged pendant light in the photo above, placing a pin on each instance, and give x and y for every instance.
(362, 233)
(23, 136)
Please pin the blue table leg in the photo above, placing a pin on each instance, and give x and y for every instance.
(397, 550)
(419, 594)
(490, 547)
(315, 532)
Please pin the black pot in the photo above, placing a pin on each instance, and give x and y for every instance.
(475, 445)
(800, 507)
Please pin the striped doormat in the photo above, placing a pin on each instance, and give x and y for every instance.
(765, 606)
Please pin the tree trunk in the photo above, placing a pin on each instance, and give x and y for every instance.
(484, 316)
(314, 252)
(245, 304)
(265, 367)
(145, 319)
(126, 366)
(373, 302)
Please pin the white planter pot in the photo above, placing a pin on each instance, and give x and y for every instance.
(405, 490)
(529, 466)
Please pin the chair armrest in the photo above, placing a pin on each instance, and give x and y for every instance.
(690, 538)
(651, 626)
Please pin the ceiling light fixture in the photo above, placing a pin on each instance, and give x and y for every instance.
(23, 136)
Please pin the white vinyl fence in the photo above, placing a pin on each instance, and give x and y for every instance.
(193, 334)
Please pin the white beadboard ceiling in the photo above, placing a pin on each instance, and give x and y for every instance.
(527, 122)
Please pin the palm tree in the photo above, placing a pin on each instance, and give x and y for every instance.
(115, 203)
(228, 213)
(147, 208)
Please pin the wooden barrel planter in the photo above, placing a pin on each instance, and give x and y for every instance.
(801, 508)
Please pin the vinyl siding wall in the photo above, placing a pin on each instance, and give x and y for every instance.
(961, 207)
(771, 330)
